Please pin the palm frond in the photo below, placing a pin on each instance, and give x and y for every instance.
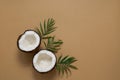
(64, 64)
(45, 29)
(52, 44)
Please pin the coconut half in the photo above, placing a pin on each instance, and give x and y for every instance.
(44, 61)
(28, 41)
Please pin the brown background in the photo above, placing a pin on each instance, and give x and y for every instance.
(90, 30)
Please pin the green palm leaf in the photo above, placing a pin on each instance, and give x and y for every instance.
(46, 28)
(64, 64)
(53, 45)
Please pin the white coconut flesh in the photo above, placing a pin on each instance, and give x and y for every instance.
(44, 61)
(29, 41)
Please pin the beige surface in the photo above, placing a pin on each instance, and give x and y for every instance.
(90, 30)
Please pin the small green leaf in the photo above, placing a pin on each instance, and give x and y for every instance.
(65, 64)
(64, 59)
(73, 67)
(59, 58)
(45, 27)
(41, 29)
(38, 31)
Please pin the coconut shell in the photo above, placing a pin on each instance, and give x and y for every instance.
(34, 50)
(49, 70)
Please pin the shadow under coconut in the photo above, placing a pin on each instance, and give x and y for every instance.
(25, 59)
(44, 76)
